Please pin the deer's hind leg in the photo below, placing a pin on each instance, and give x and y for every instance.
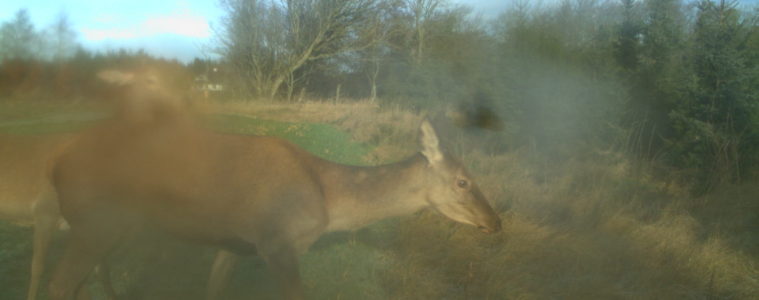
(44, 228)
(88, 243)
(46, 216)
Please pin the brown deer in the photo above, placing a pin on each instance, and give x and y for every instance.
(244, 194)
(26, 196)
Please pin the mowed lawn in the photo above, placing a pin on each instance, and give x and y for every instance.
(154, 266)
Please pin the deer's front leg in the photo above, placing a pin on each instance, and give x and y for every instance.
(221, 270)
(284, 264)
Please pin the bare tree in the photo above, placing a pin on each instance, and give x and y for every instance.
(61, 38)
(18, 38)
(369, 61)
(422, 12)
(372, 73)
(266, 41)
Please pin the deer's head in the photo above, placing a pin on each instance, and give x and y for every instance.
(451, 190)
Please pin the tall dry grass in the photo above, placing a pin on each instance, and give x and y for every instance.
(591, 231)
(596, 227)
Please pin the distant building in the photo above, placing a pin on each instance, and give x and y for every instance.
(210, 82)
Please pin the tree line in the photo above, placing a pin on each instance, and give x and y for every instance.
(667, 81)
(51, 64)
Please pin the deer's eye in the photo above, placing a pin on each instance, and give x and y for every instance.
(462, 183)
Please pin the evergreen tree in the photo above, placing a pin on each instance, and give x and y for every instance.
(627, 44)
(715, 121)
(657, 77)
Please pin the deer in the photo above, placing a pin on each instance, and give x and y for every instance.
(243, 194)
(27, 198)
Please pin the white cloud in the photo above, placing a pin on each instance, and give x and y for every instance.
(178, 23)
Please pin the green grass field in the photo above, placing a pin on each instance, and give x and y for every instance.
(324, 140)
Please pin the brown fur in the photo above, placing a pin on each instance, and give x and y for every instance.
(27, 197)
(241, 193)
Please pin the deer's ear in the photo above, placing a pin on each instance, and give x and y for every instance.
(430, 143)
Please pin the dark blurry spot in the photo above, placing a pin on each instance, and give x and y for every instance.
(477, 113)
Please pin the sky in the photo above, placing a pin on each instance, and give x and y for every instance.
(180, 29)
(171, 29)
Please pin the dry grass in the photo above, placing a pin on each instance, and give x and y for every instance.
(583, 230)
(596, 228)
(593, 227)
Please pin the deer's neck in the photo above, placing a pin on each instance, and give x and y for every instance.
(358, 196)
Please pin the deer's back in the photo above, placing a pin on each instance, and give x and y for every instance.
(189, 181)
